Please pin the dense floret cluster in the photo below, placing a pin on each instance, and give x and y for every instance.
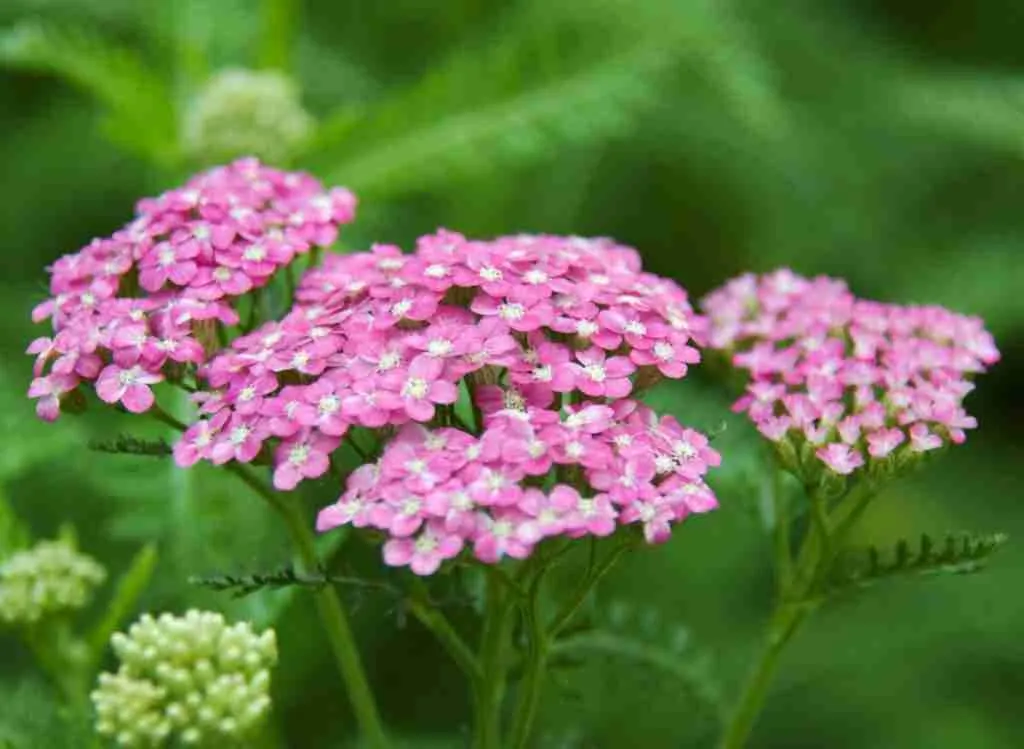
(544, 338)
(142, 305)
(849, 381)
(193, 679)
(50, 578)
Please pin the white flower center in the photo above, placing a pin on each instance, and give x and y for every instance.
(255, 253)
(501, 529)
(536, 448)
(415, 387)
(596, 372)
(388, 360)
(664, 351)
(511, 311)
(328, 404)
(543, 373)
(240, 434)
(411, 507)
(574, 449)
(636, 327)
(247, 393)
(536, 277)
(128, 377)
(586, 328)
(490, 273)
(166, 256)
(435, 271)
(300, 359)
(664, 463)
(298, 455)
(400, 308)
(440, 347)
(425, 544)
(222, 274)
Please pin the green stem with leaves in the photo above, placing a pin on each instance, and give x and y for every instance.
(328, 604)
(799, 591)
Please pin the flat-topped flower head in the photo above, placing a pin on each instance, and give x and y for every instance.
(437, 493)
(380, 339)
(845, 383)
(137, 307)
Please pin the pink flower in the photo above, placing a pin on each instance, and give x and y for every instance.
(306, 456)
(128, 386)
(501, 536)
(519, 316)
(882, 442)
(421, 387)
(168, 262)
(49, 390)
(425, 553)
(840, 458)
(584, 515)
(597, 375)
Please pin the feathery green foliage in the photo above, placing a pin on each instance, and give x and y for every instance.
(954, 554)
(139, 108)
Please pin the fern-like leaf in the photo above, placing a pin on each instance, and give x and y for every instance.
(590, 104)
(126, 444)
(140, 113)
(955, 554)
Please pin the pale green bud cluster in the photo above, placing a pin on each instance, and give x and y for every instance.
(194, 678)
(50, 578)
(245, 113)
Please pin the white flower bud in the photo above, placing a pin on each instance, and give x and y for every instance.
(245, 113)
(191, 677)
(50, 578)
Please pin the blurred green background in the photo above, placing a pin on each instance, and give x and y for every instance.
(878, 141)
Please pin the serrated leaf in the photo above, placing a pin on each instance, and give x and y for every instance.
(955, 554)
(139, 106)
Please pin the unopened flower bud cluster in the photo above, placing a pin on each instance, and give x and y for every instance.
(844, 383)
(194, 678)
(246, 112)
(50, 578)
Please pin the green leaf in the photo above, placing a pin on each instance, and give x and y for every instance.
(955, 554)
(13, 533)
(693, 672)
(130, 588)
(508, 100)
(140, 112)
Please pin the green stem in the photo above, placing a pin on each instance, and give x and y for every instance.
(786, 620)
(335, 622)
(783, 548)
(431, 618)
(490, 691)
(591, 579)
(536, 668)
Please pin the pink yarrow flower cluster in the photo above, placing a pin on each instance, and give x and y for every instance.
(851, 381)
(142, 305)
(382, 340)
(435, 492)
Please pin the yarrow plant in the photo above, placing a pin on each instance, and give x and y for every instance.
(493, 391)
(850, 393)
